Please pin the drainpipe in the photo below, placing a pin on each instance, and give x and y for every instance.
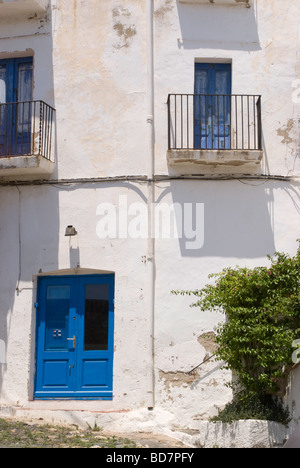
(150, 183)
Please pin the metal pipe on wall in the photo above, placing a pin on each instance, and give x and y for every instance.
(150, 183)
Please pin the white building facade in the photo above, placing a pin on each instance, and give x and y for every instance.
(143, 145)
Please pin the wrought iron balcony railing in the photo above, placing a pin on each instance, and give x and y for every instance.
(214, 122)
(27, 129)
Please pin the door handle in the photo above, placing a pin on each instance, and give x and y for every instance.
(74, 340)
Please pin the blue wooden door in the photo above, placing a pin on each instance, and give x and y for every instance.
(15, 106)
(75, 327)
(212, 106)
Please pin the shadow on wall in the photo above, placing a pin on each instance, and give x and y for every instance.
(207, 26)
(233, 219)
(29, 236)
(29, 223)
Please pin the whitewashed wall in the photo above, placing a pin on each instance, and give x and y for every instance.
(90, 64)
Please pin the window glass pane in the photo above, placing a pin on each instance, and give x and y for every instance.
(96, 317)
(222, 78)
(2, 84)
(202, 103)
(57, 317)
(221, 103)
(201, 82)
(24, 82)
(24, 94)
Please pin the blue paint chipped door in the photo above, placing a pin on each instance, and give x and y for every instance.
(75, 327)
(16, 78)
(212, 106)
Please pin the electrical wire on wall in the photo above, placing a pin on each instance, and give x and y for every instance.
(20, 242)
(143, 178)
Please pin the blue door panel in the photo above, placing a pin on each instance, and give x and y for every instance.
(75, 334)
(212, 106)
(55, 373)
(95, 373)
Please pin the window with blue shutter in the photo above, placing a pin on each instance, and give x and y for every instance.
(15, 109)
(212, 112)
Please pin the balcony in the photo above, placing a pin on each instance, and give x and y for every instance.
(219, 129)
(19, 8)
(27, 140)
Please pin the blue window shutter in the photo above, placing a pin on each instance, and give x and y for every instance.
(16, 79)
(212, 106)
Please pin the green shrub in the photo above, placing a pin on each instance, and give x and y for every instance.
(262, 308)
(253, 406)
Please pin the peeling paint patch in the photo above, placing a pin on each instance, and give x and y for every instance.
(208, 341)
(177, 379)
(125, 32)
(121, 11)
(286, 132)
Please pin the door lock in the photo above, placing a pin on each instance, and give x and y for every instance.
(74, 340)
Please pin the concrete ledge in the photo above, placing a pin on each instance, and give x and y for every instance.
(25, 167)
(214, 157)
(239, 434)
(246, 3)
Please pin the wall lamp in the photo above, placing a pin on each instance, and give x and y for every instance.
(70, 231)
